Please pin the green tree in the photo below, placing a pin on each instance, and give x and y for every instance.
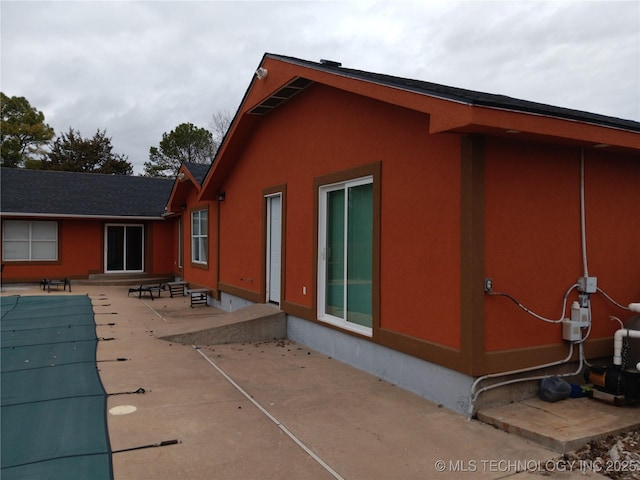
(23, 132)
(187, 143)
(72, 153)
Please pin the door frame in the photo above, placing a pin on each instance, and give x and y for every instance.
(106, 247)
(322, 256)
(268, 248)
(267, 192)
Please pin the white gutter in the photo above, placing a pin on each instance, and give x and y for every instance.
(66, 215)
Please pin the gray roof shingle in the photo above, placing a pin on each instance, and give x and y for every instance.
(198, 170)
(45, 192)
(462, 95)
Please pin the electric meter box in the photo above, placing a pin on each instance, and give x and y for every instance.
(571, 331)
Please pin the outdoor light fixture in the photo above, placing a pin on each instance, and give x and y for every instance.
(221, 196)
(182, 177)
(261, 73)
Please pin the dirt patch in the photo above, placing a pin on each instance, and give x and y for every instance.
(616, 456)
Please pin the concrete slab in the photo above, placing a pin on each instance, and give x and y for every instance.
(250, 324)
(565, 425)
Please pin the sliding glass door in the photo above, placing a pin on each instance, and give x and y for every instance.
(124, 246)
(345, 255)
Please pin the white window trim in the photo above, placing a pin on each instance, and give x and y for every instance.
(180, 241)
(30, 241)
(199, 236)
(322, 273)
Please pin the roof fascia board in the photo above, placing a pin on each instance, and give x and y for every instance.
(449, 113)
(211, 182)
(181, 186)
(73, 216)
(234, 141)
(540, 124)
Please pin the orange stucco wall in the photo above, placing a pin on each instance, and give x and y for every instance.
(525, 235)
(533, 242)
(81, 247)
(325, 131)
(198, 274)
(161, 246)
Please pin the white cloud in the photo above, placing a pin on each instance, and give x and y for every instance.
(139, 69)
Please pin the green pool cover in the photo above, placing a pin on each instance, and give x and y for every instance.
(53, 403)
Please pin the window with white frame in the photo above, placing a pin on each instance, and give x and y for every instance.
(180, 242)
(345, 254)
(199, 240)
(29, 240)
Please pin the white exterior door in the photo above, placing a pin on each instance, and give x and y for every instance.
(274, 245)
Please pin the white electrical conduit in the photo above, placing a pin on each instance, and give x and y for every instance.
(622, 307)
(475, 394)
(539, 317)
(583, 230)
(634, 307)
(271, 417)
(618, 337)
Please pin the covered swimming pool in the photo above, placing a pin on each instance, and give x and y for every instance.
(53, 403)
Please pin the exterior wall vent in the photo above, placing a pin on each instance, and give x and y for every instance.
(330, 63)
(285, 93)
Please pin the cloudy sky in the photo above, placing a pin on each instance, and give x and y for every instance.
(139, 69)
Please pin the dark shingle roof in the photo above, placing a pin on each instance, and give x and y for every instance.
(198, 170)
(462, 95)
(47, 192)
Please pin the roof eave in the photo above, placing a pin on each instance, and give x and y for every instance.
(77, 216)
(512, 122)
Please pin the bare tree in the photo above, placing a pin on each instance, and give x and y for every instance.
(220, 123)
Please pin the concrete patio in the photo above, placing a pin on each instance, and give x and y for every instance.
(276, 409)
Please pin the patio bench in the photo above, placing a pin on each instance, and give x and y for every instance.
(47, 283)
(147, 289)
(177, 288)
(199, 296)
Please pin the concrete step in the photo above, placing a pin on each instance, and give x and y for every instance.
(255, 323)
(562, 426)
(116, 279)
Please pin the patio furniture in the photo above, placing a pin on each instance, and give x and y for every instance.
(147, 289)
(47, 283)
(177, 288)
(199, 296)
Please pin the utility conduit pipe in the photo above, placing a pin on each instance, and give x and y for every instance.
(475, 394)
(583, 230)
(618, 338)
